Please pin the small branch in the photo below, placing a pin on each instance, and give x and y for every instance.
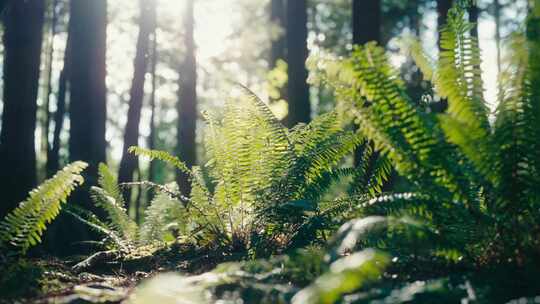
(175, 194)
(95, 259)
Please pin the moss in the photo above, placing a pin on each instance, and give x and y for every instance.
(20, 278)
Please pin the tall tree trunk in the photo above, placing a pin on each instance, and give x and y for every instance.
(366, 27)
(187, 102)
(297, 52)
(474, 13)
(443, 6)
(46, 146)
(53, 155)
(129, 162)
(497, 16)
(23, 26)
(277, 16)
(367, 16)
(87, 109)
(152, 135)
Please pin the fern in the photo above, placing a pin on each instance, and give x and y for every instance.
(110, 199)
(24, 226)
(267, 181)
(480, 178)
(161, 155)
(165, 210)
(162, 212)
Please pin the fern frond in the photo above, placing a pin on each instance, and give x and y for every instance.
(410, 138)
(374, 170)
(162, 212)
(110, 199)
(24, 226)
(109, 183)
(458, 78)
(162, 156)
(91, 220)
(119, 220)
(423, 61)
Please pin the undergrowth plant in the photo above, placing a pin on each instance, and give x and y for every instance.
(475, 173)
(121, 232)
(24, 226)
(267, 183)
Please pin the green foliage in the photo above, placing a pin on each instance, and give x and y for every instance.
(109, 198)
(19, 278)
(267, 183)
(161, 155)
(344, 276)
(478, 180)
(24, 226)
(162, 221)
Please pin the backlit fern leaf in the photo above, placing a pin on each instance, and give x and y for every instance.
(110, 199)
(162, 156)
(24, 226)
(458, 78)
(163, 212)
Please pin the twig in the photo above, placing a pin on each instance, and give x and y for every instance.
(95, 259)
(175, 194)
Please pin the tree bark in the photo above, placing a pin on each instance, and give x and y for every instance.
(474, 13)
(23, 26)
(366, 27)
(187, 102)
(443, 6)
(297, 53)
(497, 16)
(129, 163)
(46, 145)
(366, 21)
(277, 17)
(53, 155)
(87, 109)
(152, 135)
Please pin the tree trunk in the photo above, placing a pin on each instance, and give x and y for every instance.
(87, 109)
(443, 6)
(152, 135)
(53, 155)
(297, 52)
(497, 16)
(366, 27)
(46, 146)
(129, 162)
(23, 26)
(277, 17)
(366, 21)
(474, 13)
(187, 103)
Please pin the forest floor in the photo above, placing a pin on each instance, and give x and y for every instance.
(109, 280)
